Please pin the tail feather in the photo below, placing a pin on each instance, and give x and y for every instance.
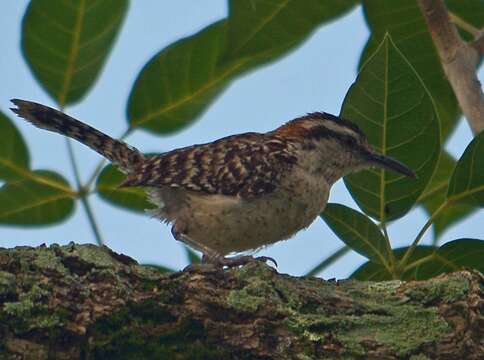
(44, 117)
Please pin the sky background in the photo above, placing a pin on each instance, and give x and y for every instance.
(315, 77)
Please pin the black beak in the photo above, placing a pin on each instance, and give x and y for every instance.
(387, 162)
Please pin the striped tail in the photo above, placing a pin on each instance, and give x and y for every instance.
(119, 153)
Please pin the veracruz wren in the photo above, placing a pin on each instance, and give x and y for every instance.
(240, 192)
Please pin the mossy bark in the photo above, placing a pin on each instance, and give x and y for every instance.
(86, 302)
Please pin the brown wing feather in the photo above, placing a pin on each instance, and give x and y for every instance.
(244, 165)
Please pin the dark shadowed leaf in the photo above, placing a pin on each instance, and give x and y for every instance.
(182, 80)
(435, 195)
(262, 28)
(41, 197)
(67, 42)
(392, 106)
(453, 256)
(467, 183)
(405, 23)
(357, 231)
(376, 272)
(131, 198)
(14, 155)
(429, 261)
(471, 11)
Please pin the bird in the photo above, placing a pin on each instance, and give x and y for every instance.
(238, 193)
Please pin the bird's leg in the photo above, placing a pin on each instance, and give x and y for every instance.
(235, 261)
(212, 257)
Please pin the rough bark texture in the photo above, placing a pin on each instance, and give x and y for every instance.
(83, 301)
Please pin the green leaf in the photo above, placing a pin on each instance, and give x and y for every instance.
(453, 256)
(261, 27)
(357, 231)
(404, 21)
(14, 155)
(467, 183)
(177, 84)
(470, 11)
(66, 43)
(329, 260)
(181, 81)
(435, 195)
(40, 199)
(131, 198)
(392, 106)
(371, 271)
(429, 261)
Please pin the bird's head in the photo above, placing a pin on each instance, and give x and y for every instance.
(335, 137)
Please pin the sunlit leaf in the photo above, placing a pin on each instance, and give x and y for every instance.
(405, 23)
(42, 198)
(392, 106)
(131, 198)
(182, 80)
(435, 195)
(261, 27)
(357, 231)
(14, 155)
(467, 183)
(66, 43)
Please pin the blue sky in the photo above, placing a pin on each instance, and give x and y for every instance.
(315, 77)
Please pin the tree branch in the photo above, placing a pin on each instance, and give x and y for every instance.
(85, 301)
(459, 60)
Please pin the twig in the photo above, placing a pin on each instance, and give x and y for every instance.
(459, 60)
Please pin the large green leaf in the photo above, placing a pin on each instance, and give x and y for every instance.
(404, 21)
(377, 272)
(452, 256)
(429, 261)
(471, 11)
(436, 194)
(182, 80)
(14, 155)
(177, 84)
(67, 42)
(130, 198)
(357, 231)
(262, 27)
(392, 106)
(467, 183)
(42, 198)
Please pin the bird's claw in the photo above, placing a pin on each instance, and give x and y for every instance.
(242, 260)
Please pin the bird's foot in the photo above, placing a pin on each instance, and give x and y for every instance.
(236, 261)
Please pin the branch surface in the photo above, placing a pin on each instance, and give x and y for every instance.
(459, 60)
(87, 302)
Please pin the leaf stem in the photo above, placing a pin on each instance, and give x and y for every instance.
(391, 257)
(82, 194)
(329, 260)
(92, 220)
(412, 247)
(420, 261)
